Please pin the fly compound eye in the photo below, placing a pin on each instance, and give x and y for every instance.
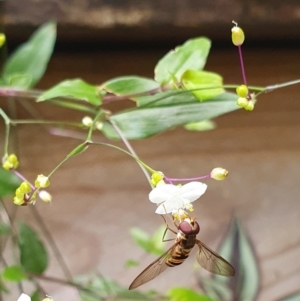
(185, 227)
(196, 228)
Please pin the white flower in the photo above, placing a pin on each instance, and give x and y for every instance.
(24, 297)
(172, 198)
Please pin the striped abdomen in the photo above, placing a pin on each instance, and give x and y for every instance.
(182, 250)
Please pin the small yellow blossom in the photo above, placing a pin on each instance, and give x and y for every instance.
(41, 181)
(156, 177)
(11, 162)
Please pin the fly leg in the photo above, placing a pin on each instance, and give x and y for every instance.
(167, 228)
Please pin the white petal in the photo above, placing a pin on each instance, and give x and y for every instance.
(165, 208)
(24, 297)
(193, 190)
(162, 193)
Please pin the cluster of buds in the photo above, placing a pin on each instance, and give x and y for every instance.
(245, 100)
(87, 121)
(10, 162)
(26, 194)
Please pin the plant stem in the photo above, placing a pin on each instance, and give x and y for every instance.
(131, 150)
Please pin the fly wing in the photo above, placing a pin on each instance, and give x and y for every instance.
(153, 270)
(213, 262)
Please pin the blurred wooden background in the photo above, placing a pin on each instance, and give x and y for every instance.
(99, 195)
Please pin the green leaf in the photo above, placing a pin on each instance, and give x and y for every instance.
(184, 294)
(293, 297)
(131, 263)
(4, 229)
(104, 289)
(208, 84)
(14, 274)
(126, 85)
(168, 113)
(205, 125)
(36, 296)
(191, 55)
(78, 150)
(75, 88)
(25, 67)
(153, 245)
(237, 248)
(33, 255)
(8, 183)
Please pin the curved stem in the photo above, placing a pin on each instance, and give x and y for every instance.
(131, 150)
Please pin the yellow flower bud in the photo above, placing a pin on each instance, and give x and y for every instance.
(18, 201)
(19, 194)
(242, 91)
(219, 173)
(156, 177)
(2, 39)
(25, 187)
(45, 196)
(41, 181)
(242, 102)
(10, 162)
(237, 35)
(6, 165)
(249, 106)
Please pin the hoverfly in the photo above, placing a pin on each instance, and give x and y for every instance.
(184, 243)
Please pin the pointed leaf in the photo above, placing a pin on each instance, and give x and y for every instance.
(237, 248)
(184, 294)
(147, 121)
(33, 255)
(8, 183)
(78, 150)
(75, 88)
(191, 55)
(25, 67)
(205, 85)
(130, 85)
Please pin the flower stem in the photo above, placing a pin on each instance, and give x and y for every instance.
(187, 179)
(131, 150)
